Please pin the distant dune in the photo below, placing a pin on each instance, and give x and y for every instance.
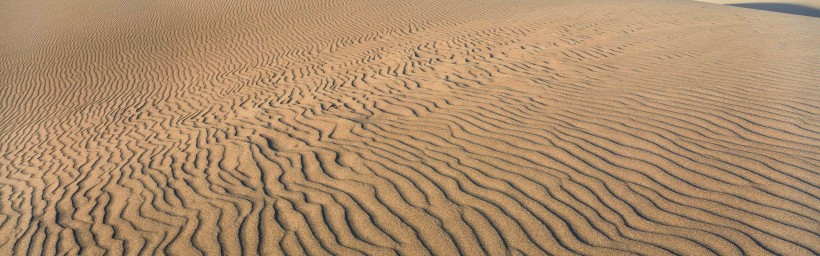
(488, 127)
(804, 7)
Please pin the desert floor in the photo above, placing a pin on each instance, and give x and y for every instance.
(501, 127)
(800, 7)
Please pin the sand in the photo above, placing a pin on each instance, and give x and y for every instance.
(808, 3)
(809, 8)
(500, 127)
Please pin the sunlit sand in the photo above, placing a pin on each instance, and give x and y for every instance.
(489, 127)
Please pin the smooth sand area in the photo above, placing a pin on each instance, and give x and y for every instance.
(321, 127)
(809, 3)
(800, 7)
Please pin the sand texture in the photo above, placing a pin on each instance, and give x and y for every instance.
(328, 127)
(807, 3)
(809, 8)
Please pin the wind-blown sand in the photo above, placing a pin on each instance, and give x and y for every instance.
(808, 3)
(799, 7)
(408, 127)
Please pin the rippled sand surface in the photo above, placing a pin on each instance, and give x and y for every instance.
(501, 127)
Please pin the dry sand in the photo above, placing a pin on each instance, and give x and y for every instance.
(800, 7)
(808, 3)
(407, 127)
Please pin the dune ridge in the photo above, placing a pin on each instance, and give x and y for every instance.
(408, 127)
(809, 8)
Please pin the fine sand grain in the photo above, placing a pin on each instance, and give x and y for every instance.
(807, 3)
(800, 7)
(501, 127)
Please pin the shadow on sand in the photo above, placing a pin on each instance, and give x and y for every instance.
(781, 7)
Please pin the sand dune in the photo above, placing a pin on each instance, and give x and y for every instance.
(808, 3)
(500, 127)
(800, 7)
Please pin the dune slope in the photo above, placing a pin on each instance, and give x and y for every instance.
(799, 7)
(407, 127)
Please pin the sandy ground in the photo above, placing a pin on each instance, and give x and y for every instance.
(809, 3)
(809, 8)
(500, 127)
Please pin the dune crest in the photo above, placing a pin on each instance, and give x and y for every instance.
(809, 8)
(407, 127)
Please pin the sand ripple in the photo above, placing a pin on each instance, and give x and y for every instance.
(408, 127)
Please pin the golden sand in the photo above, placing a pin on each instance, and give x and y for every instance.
(500, 127)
